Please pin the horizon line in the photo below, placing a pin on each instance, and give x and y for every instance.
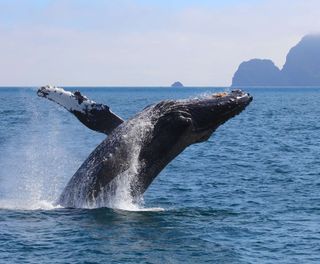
(153, 86)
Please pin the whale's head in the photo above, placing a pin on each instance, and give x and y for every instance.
(180, 123)
(209, 112)
(196, 119)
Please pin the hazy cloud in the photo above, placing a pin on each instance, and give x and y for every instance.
(144, 42)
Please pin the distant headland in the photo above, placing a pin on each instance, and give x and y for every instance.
(177, 84)
(302, 67)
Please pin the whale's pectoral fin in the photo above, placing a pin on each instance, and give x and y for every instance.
(95, 116)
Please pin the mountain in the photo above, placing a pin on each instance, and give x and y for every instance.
(302, 67)
(257, 72)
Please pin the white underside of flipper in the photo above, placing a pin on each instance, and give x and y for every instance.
(68, 100)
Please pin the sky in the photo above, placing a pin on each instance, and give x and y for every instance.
(145, 42)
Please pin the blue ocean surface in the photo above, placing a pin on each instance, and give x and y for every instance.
(250, 194)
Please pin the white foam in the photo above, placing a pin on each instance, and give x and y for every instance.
(143, 209)
(19, 204)
(34, 163)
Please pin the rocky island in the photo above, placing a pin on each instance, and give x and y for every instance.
(177, 84)
(302, 67)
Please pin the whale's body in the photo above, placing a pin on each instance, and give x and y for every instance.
(136, 151)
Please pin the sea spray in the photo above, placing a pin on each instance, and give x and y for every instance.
(118, 192)
(34, 165)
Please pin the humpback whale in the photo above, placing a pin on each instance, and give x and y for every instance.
(136, 151)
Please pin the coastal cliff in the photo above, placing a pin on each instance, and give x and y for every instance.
(302, 67)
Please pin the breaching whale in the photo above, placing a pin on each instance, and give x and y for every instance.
(136, 150)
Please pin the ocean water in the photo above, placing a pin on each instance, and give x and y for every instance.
(250, 194)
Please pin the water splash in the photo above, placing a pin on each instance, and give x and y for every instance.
(34, 162)
(121, 197)
(36, 165)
